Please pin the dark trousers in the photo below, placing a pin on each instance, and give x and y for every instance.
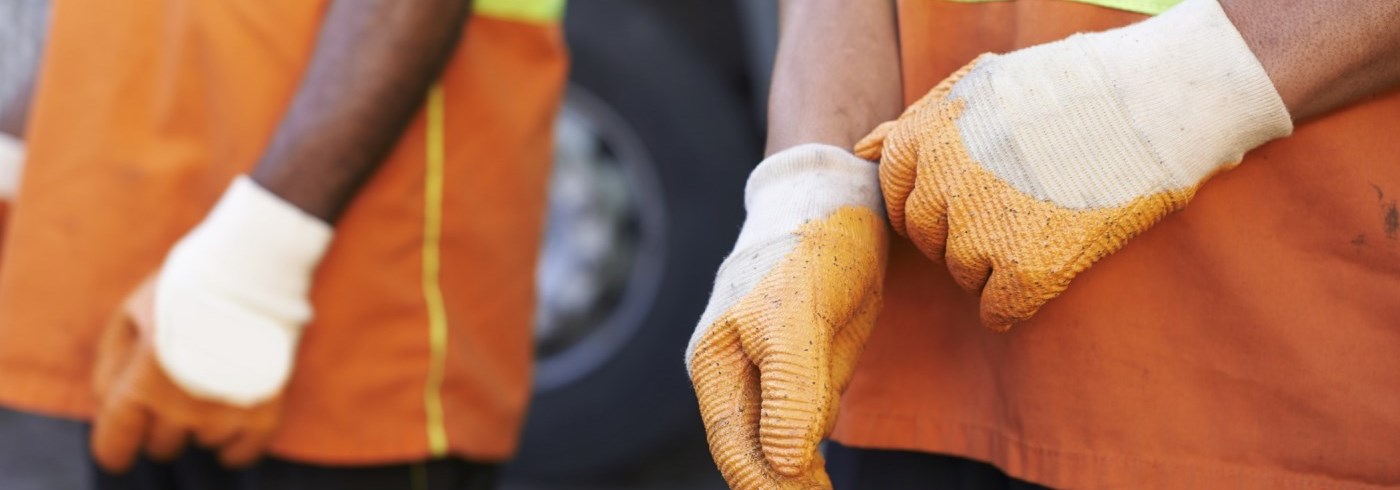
(42, 453)
(875, 469)
(200, 470)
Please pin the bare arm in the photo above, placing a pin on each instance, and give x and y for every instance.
(836, 75)
(1322, 54)
(374, 63)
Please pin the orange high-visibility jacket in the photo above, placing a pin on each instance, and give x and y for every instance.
(421, 340)
(1252, 340)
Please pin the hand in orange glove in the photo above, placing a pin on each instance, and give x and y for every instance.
(142, 409)
(1022, 170)
(206, 347)
(792, 307)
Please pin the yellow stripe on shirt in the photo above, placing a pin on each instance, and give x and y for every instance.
(540, 11)
(1150, 7)
(432, 290)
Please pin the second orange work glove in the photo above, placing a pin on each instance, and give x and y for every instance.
(201, 352)
(143, 411)
(792, 307)
(1021, 170)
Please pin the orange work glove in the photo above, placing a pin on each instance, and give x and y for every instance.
(206, 347)
(1022, 170)
(791, 310)
(142, 409)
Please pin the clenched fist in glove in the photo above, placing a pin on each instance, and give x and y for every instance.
(202, 351)
(791, 309)
(1022, 170)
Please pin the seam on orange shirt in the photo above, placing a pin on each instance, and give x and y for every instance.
(1224, 469)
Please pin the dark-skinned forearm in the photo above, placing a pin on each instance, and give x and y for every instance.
(1322, 55)
(373, 65)
(836, 75)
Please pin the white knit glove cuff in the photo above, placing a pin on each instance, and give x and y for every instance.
(1192, 87)
(232, 296)
(1098, 120)
(789, 188)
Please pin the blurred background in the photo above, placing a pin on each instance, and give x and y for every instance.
(661, 123)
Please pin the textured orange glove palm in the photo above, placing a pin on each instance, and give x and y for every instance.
(1022, 170)
(792, 308)
(141, 409)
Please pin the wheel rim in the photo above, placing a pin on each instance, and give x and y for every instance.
(603, 254)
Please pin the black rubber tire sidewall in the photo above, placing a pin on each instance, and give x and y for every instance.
(639, 404)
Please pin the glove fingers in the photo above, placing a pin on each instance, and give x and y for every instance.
(871, 147)
(115, 350)
(927, 214)
(220, 429)
(1010, 298)
(726, 384)
(969, 268)
(117, 434)
(244, 448)
(795, 382)
(845, 353)
(896, 145)
(850, 342)
(898, 173)
(964, 238)
(165, 440)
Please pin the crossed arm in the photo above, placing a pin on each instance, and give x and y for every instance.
(1321, 55)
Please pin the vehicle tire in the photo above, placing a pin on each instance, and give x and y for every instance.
(627, 400)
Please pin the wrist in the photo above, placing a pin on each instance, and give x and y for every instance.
(804, 183)
(260, 236)
(1192, 87)
(1099, 120)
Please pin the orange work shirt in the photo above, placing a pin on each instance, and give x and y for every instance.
(1251, 340)
(421, 342)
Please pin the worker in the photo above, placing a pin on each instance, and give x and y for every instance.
(1141, 244)
(267, 244)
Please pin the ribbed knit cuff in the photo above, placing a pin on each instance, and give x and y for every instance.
(1192, 87)
(267, 240)
(803, 183)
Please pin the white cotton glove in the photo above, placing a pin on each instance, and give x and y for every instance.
(232, 296)
(11, 162)
(791, 309)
